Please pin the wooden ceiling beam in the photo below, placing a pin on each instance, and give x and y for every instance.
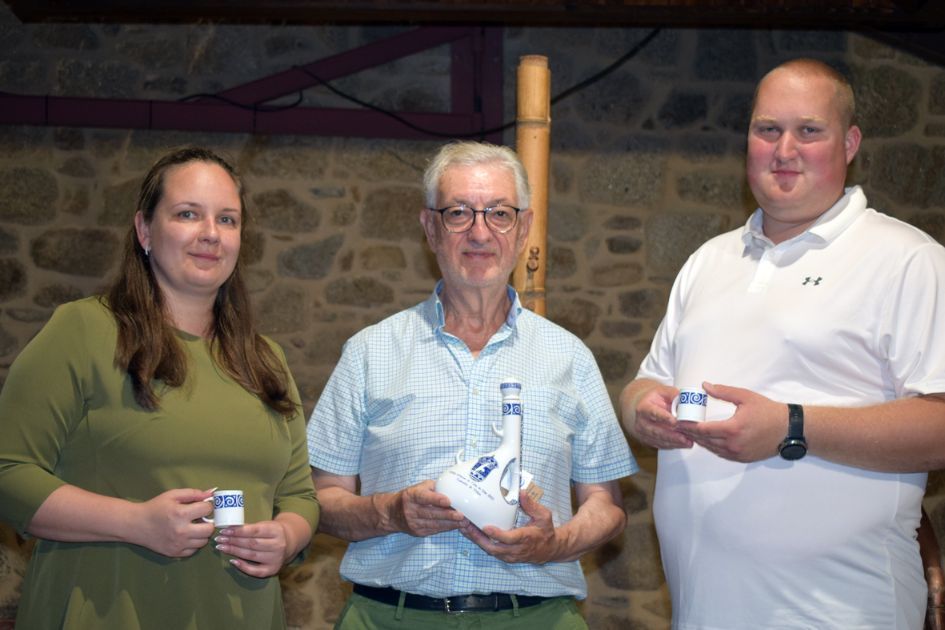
(898, 14)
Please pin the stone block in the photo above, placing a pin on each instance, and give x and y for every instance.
(562, 263)
(99, 79)
(806, 41)
(258, 280)
(683, 109)
(252, 246)
(8, 344)
(164, 85)
(279, 210)
(623, 244)
(68, 138)
(627, 179)
(714, 189)
(25, 142)
(9, 242)
(343, 214)
(707, 147)
(286, 157)
(383, 257)
(561, 178)
(13, 279)
(392, 213)
(326, 343)
(663, 51)
(22, 75)
(312, 260)
(617, 101)
(362, 291)
(887, 100)
(27, 195)
(77, 167)
(614, 364)
(735, 113)
(642, 303)
(120, 203)
(725, 55)
(27, 315)
(282, 310)
(672, 236)
(620, 328)
(77, 37)
(567, 222)
(937, 94)
(908, 173)
(616, 274)
(79, 252)
(166, 52)
(576, 315)
(52, 295)
(378, 161)
(75, 199)
(623, 222)
(632, 561)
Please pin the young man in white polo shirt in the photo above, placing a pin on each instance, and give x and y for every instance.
(816, 330)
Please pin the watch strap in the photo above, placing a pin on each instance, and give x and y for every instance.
(795, 421)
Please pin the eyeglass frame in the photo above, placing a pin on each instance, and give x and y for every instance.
(484, 212)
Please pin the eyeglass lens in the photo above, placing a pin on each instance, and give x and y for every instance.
(499, 218)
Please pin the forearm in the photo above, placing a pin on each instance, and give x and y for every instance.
(298, 534)
(71, 514)
(629, 398)
(906, 435)
(352, 517)
(599, 518)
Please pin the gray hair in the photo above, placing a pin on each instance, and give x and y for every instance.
(470, 153)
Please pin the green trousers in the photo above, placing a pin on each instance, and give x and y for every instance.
(361, 613)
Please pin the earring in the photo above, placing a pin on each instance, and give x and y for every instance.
(147, 252)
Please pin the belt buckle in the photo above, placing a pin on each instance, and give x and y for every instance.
(448, 610)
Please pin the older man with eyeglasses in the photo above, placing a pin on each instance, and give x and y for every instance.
(416, 389)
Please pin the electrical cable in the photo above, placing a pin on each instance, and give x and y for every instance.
(594, 78)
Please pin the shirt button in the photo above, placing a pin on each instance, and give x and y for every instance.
(475, 391)
(474, 443)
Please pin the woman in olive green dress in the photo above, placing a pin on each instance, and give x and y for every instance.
(125, 411)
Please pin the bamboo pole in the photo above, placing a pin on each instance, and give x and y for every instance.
(532, 142)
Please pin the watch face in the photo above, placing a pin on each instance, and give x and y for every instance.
(793, 449)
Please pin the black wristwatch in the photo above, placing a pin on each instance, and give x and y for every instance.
(794, 446)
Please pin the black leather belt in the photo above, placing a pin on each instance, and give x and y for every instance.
(455, 604)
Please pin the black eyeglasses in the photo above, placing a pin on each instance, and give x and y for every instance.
(460, 218)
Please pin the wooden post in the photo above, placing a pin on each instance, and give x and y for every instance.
(532, 143)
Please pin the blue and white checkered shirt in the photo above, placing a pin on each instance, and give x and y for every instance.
(407, 396)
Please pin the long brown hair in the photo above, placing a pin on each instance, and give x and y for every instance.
(148, 348)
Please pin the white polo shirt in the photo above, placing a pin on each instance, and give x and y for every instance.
(849, 313)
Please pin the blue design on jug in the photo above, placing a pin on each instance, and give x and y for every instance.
(483, 467)
(511, 409)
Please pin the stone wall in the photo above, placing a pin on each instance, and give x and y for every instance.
(646, 165)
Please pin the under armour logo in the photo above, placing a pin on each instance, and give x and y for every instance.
(813, 281)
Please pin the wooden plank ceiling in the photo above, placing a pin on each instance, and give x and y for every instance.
(898, 14)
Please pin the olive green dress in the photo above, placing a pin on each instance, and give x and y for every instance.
(67, 415)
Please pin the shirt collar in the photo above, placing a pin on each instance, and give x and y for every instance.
(825, 229)
(437, 316)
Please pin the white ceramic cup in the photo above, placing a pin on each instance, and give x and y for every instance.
(227, 508)
(690, 404)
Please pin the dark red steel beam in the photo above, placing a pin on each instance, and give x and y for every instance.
(476, 100)
(127, 114)
(346, 63)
